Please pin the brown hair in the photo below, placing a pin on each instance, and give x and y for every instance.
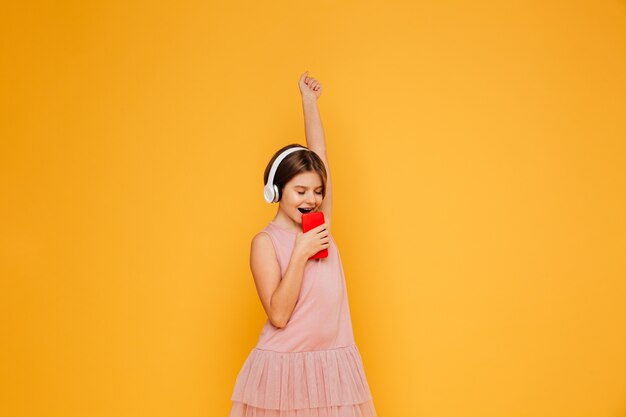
(293, 164)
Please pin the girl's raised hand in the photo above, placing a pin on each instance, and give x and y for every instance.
(309, 86)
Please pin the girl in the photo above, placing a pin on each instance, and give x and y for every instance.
(306, 363)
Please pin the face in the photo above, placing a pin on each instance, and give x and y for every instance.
(304, 191)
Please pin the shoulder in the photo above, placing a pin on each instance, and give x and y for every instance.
(263, 255)
(262, 244)
(262, 238)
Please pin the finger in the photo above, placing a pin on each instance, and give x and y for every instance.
(317, 229)
(313, 84)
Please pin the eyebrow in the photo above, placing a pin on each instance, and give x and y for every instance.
(302, 186)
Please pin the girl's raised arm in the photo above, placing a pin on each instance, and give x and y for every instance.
(311, 89)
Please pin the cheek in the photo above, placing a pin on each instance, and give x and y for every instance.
(296, 200)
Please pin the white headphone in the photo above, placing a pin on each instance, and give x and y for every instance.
(270, 191)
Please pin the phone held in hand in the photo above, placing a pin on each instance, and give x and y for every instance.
(309, 221)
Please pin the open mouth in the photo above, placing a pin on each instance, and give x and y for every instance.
(303, 210)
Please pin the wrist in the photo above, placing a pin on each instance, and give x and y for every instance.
(309, 99)
(300, 255)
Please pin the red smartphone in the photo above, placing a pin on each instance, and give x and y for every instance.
(309, 221)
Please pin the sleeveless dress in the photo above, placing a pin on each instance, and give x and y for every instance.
(311, 367)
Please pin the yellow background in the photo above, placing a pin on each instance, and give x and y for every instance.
(478, 157)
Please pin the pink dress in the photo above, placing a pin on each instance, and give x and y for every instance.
(311, 367)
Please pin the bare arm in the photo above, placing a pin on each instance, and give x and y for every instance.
(313, 129)
(279, 296)
(314, 132)
(284, 299)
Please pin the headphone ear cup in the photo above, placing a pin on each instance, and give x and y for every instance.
(276, 194)
(268, 193)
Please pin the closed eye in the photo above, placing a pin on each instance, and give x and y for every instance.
(317, 192)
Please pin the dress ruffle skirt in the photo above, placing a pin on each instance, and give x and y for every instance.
(319, 383)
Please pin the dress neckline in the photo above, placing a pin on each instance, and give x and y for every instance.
(293, 232)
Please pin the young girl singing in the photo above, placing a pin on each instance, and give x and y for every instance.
(306, 362)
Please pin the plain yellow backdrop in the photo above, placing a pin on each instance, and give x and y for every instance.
(478, 153)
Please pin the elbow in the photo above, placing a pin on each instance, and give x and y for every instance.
(279, 325)
(277, 316)
(278, 321)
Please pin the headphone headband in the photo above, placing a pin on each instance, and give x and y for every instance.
(270, 191)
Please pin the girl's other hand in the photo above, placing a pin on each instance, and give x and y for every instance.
(313, 241)
(309, 86)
